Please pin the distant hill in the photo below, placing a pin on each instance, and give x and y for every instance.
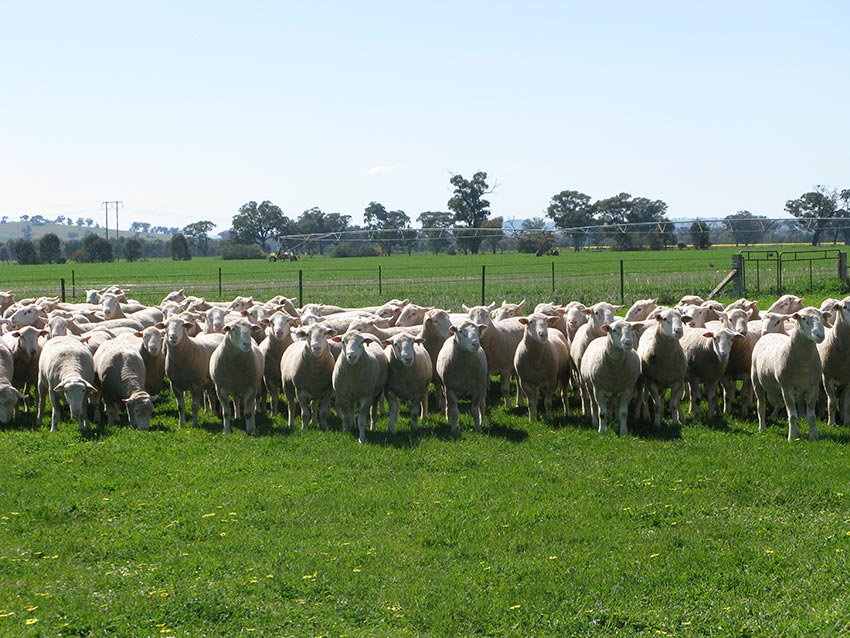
(16, 230)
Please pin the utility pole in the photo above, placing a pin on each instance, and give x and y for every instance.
(106, 208)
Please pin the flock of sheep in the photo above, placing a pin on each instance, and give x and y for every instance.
(238, 356)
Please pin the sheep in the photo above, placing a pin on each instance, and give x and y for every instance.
(462, 369)
(551, 310)
(834, 353)
(26, 348)
(789, 369)
(691, 300)
(499, 342)
(774, 322)
(641, 309)
(826, 308)
(707, 355)
(436, 328)
(278, 339)
(113, 309)
(120, 374)
(598, 315)
(609, 370)
(662, 362)
(409, 373)
(787, 304)
(306, 370)
(697, 316)
(575, 318)
(507, 310)
(9, 394)
(214, 320)
(149, 343)
(236, 370)
(358, 378)
(373, 326)
(66, 366)
(740, 359)
(746, 305)
(542, 363)
(412, 315)
(187, 364)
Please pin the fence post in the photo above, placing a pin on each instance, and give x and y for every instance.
(483, 278)
(738, 282)
(622, 285)
(73, 286)
(380, 283)
(842, 267)
(301, 288)
(553, 277)
(62, 288)
(220, 294)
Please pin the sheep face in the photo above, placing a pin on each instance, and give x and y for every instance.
(215, 319)
(93, 296)
(468, 335)
(75, 390)
(697, 315)
(440, 320)
(537, 326)
(176, 296)
(787, 304)
(25, 316)
(737, 320)
(175, 329)
(600, 314)
(621, 334)
(480, 314)
(57, 327)
(575, 317)
(392, 309)
(353, 345)
(140, 410)
(280, 325)
(110, 306)
(640, 309)
(509, 310)
(316, 335)
(28, 339)
(152, 340)
(810, 324)
(670, 323)
(411, 315)
(239, 335)
(9, 398)
(773, 322)
(403, 347)
(241, 303)
(722, 342)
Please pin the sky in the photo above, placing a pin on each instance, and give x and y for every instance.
(187, 110)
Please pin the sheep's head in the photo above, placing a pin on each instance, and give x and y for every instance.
(404, 347)
(537, 326)
(670, 323)
(468, 335)
(810, 324)
(621, 333)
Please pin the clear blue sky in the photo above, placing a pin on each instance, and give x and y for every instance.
(187, 110)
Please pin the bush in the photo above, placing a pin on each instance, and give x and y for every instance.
(355, 250)
(241, 251)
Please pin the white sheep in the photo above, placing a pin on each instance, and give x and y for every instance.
(787, 304)
(65, 366)
(409, 373)
(788, 369)
(499, 341)
(436, 328)
(236, 370)
(835, 360)
(707, 355)
(598, 315)
(542, 363)
(187, 364)
(662, 362)
(507, 310)
(120, 374)
(641, 309)
(9, 394)
(412, 315)
(278, 339)
(25, 345)
(609, 370)
(358, 379)
(306, 370)
(462, 369)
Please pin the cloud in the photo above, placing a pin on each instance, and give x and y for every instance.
(380, 169)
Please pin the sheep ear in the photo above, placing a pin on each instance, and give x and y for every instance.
(481, 328)
(138, 334)
(453, 329)
(659, 318)
(43, 333)
(465, 307)
(685, 319)
(587, 311)
(89, 385)
(552, 321)
(387, 342)
(336, 339)
(520, 304)
(708, 335)
(244, 313)
(419, 340)
(827, 315)
(796, 315)
(255, 327)
(655, 301)
(59, 387)
(616, 308)
(606, 328)
(330, 332)
(638, 326)
(491, 307)
(523, 321)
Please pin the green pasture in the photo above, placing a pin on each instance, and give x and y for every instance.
(528, 529)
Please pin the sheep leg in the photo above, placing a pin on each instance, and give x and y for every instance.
(362, 415)
(696, 398)
(845, 413)
(451, 410)
(547, 403)
(226, 413)
(711, 397)
(324, 411)
(729, 390)
(791, 409)
(43, 391)
(623, 414)
(657, 404)
(506, 387)
(181, 406)
(811, 417)
(305, 410)
(599, 413)
(831, 408)
(415, 408)
(197, 396)
(532, 395)
(393, 400)
(55, 415)
(249, 410)
(675, 404)
(111, 413)
(374, 406)
(477, 412)
(290, 404)
(746, 397)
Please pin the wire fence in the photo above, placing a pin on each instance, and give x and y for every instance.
(450, 285)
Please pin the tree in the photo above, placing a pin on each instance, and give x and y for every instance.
(700, 235)
(140, 227)
(314, 221)
(389, 222)
(25, 252)
(747, 228)
(493, 233)
(180, 248)
(646, 217)
(49, 248)
(97, 248)
(613, 212)
(470, 208)
(572, 209)
(256, 224)
(198, 235)
(816, 211)
(535, 239)
(132, 249)
(436, 226)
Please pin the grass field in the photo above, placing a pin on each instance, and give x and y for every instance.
(528, 529)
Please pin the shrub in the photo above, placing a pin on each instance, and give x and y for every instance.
(355, 250)
(241, 251)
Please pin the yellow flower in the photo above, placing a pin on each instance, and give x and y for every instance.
(31, 621)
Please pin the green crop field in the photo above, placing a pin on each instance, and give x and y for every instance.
(528, 529)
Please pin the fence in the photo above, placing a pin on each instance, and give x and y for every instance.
(588, 277)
